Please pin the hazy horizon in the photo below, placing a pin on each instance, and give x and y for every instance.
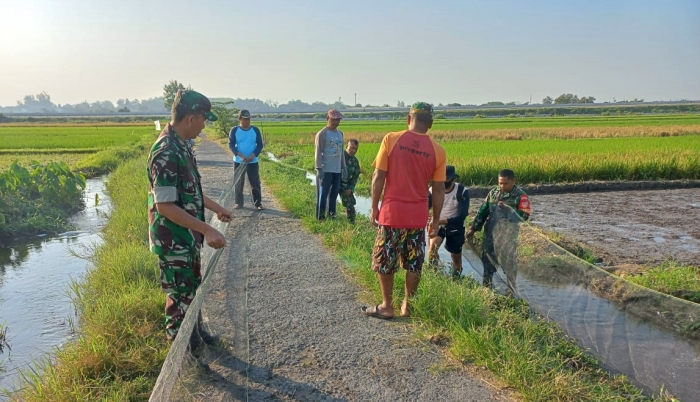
(444, 52)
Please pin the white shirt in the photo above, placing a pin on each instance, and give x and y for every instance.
(450, 207)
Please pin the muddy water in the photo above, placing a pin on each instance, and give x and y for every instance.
(651, 356)
(35, 278)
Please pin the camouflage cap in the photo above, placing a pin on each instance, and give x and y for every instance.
(422, 108)
(195, 101)
(244, 114)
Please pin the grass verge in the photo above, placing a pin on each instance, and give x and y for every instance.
(530, 355)
(120, 345)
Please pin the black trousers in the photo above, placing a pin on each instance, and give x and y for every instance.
(253, 173)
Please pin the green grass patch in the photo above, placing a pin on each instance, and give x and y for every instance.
(547, 161)
(481, 327)
(121, 344)
(672, 278)
(69, 137)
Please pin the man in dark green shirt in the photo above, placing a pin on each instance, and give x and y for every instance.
(505, 203)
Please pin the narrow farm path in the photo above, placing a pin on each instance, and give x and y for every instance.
(290, 323)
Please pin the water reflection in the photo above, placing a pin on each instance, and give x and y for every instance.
(35, 277)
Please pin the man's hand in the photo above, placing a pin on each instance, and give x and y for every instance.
(214, 238)
(250, 157)
(224, 215)
(348, 192)
(374, 216)
(434, 229)
(319, 174)
(470, 233)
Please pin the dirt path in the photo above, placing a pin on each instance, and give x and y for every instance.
(291, 326)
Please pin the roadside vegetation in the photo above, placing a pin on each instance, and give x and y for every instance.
(120, 345)
(475, 326)
(44, 170)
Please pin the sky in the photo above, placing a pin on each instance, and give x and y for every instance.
(376, 52)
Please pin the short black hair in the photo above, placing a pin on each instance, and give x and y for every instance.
(506, 174)
(354, 142)
(423, 118)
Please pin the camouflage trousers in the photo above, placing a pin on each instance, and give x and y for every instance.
(348, 202)
(179, 278)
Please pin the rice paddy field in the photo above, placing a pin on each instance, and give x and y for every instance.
(63, 143)
(539, 150)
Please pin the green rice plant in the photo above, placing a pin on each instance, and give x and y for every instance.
(550, 161)
(446, 130)
(28, 157)
(69, 137)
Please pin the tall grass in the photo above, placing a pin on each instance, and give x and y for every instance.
(120, 345)
(530, 355)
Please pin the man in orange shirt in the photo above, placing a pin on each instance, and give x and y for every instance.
(406, 163)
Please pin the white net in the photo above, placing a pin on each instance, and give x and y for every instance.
(651, 337)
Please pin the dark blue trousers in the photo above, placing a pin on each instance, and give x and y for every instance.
(327, 189)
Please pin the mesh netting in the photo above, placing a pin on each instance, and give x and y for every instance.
(651, 337)
(171, 384)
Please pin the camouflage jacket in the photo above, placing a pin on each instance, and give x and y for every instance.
(516, 199)
(173, 177)
(353, 167)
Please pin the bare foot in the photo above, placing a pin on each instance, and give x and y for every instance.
(405, 310)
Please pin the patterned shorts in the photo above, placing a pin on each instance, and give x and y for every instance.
(398, 246)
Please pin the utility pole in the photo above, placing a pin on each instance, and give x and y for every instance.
(355, 98)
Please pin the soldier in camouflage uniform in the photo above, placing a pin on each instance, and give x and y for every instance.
(347, 186)
(505, 206)
(176, 207)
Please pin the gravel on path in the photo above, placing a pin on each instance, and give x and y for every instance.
(290, 326)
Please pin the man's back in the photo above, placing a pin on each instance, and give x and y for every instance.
(411, 160)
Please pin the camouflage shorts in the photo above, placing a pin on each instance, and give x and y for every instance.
(180, 277)
(394, 246)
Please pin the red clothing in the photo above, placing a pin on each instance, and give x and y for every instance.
(410, 160)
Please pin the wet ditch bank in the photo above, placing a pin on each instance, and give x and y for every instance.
(35, 282)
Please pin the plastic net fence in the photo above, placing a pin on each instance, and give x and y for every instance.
(651, 337)
(180, 362)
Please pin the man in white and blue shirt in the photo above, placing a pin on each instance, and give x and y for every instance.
(245, 141)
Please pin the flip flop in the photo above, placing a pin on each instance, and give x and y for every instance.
(374, 312)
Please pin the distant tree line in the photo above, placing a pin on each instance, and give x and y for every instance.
(41, 104)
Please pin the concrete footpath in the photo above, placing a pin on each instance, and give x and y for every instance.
(289, 321)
